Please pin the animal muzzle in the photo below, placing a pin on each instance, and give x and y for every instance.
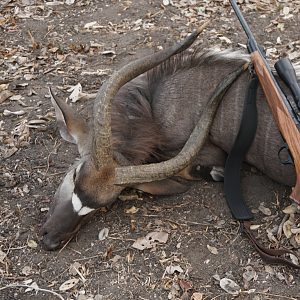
(60, 226)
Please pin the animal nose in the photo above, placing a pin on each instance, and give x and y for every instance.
(46, 237)
(43, 232)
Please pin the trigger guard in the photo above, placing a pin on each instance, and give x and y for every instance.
(290, 159)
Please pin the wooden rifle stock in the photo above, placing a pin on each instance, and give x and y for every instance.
(281, 115)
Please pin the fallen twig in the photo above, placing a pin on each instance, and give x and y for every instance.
(32, 287)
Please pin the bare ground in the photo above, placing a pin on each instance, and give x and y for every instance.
(48, 45)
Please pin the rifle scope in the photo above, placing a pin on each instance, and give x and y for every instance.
(287, 73)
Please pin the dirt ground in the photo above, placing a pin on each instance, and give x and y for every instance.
(56, 44)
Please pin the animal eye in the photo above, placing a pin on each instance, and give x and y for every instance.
(74, 175)
(77, 169)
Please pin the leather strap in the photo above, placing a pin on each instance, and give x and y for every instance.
(266, 254)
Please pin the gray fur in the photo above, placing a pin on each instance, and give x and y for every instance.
(178, 91)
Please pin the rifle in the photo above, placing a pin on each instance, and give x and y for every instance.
(287, 116)
(285, 112)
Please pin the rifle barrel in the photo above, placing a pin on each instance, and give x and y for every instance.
(241, 19)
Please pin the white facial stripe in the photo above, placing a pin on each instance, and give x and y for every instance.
(85, 210)
(78, 208)
(66, 188)
(78, 168)
(76, 202)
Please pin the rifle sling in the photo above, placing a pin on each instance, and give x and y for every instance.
(232, 181)
(243, 141)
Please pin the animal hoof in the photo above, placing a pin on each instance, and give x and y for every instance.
(217, 173)
(198, 172)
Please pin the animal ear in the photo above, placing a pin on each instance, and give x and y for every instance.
(73, 128)
(163, 187)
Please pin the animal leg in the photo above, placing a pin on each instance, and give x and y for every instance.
(199, 172)
(208, 165)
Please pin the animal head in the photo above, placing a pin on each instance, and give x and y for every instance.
(84, 188)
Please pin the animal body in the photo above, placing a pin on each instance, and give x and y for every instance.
(152, 117)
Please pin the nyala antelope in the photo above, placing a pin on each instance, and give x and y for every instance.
(153, 119)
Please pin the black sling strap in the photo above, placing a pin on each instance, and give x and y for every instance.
(232, 182)
(243, 141)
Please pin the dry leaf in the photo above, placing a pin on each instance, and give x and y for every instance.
(32, 286)
(109, 52)
(272, 52)
(115, 259)
(294, 55)
(271, 236)
(269, 270)
(4, 87)
(149, 240)
(266, 211)
(291, 209)
(4, 95)
(280, 227)
(68, 284)
(26, 189)
(159, 236)
(185, 285)
(254, 227)
(103, 234)
(295, 230)
(287, 228)
(26, 271)
(297, 238)
(32, 244)
(197, 296)
(286, 10)
(7, 112)
(29, 76)
(76, 90)
(171, 269)
(27, 281)
(294, 258)
(10, 152)
(35, 122)
(216, 277)
(132, 210)
(143, 243)
(53, 50)
(213, 250)
(280, 276)
(91, 24)
(229, 286)
(73, 268)
(280, 26)
(249, 274)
